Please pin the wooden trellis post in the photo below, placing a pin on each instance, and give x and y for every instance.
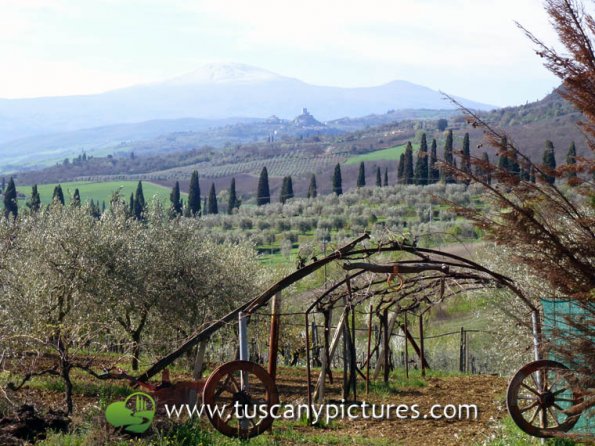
(386, 347)
(243, 332)
(346, 361)
(384, 340)
(199, 359)
(319, 392)
(274, 335)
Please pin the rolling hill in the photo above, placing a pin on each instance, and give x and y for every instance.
(35, 129)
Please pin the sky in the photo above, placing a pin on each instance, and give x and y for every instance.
(468, 48)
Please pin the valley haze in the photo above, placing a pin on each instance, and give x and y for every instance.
(213, 92)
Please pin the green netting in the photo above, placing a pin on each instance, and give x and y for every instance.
(556, 330)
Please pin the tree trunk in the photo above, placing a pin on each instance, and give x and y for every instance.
(65, 373)
(135, 350)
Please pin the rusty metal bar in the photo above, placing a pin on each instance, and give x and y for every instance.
(406, 349)
(368, 351)
(421, 345)
(308, 368)
(386, 344)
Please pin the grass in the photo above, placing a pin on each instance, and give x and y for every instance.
(99, 192)
(511, 435)
(193, 433)
(390, 154)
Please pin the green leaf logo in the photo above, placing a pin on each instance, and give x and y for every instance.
(134, 414)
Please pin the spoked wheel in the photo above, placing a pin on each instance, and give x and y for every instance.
(240, 395)
(537, 396)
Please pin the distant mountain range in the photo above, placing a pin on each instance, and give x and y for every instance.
(214, 92)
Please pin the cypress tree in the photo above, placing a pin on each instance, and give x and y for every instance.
(139, 202)
(401, 169)
(312, 189)
(131, 204)
(503, 160)
(385, 177)
(532, 174)
(283, 191)
(447, 176)
(263, 194)
(549, 162)
(361, 177)
(466, 158)
(337, 180)
(94, 209)
(10, 200)
(3, 188)
(174, 198)
(289, 188)
(286, 189)
(212, 204)
(194, 195)
(487, 173)
(525, 174)
(421, 164)
(205, 209)
(233, 202)
(571, 162)
(433, 171)
(513, 164)
(378, 177)
(103, 206)
(34, 202)
(58, 195)
(76, 198)
(408, 168)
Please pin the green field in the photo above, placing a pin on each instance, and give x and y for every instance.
(392, 153)
(98, 192)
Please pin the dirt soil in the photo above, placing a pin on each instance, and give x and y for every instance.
(485, 391)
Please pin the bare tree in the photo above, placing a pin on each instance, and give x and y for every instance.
(549, 229)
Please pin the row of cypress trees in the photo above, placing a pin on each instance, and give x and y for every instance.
(424, 172)
(194, 207)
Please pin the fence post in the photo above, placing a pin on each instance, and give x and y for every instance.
(466, 351)
(461, 350)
